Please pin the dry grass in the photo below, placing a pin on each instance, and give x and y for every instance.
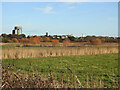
(12, 79)
(60, 44)
(31, 52)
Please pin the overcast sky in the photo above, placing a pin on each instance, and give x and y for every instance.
(77, 18)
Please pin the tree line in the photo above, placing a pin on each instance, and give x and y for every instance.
(10, 38)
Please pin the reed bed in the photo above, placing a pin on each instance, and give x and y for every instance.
(32, 52)
(49, 44)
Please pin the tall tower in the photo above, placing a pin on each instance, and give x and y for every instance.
(18, 31)
(13, 31)
(47, 34)
(18, 28)
(82, 35)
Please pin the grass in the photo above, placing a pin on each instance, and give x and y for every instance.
(91, 70)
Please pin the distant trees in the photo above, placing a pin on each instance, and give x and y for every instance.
(6, 38)
(96, 41)
(31, 40)
(14, 40)
(89, 38)
(4, 35)
(55, 42)
(22, 36)
(66, 42)
(40, 39)
(34, 40)
(111, 39)
(71, 38)
(10, 37)
(46, 39)
(23, 40)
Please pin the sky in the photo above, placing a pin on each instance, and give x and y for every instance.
(61, 18)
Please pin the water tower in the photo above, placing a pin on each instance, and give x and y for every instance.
(18, 28)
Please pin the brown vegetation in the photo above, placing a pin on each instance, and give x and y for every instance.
(49, 44)
(34, 40)
(46, 39)
(14, 40)
(66, 42)
(55, 42)
(23, 40)
(33, 79)
(14, 80)
(40, 39)
(96, 41)
(29, 52)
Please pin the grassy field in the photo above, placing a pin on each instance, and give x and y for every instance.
(97, 71)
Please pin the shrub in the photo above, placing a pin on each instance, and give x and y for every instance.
(36, 36)
(24, 40)
(5, 40)
(102, 39)
(46, 39)
(40, 39)
(66, 42)
(33, 40)
(96, 41)
(4, 35)
(55, 42)
(14, 40)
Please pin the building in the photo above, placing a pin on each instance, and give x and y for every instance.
(18, 28)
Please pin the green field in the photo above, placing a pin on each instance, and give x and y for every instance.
(89, 69)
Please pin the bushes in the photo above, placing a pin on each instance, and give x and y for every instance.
(55, 42)
(96, 41)
(23, 40)
(15, 40)
(37, 40)
(5, 40)
(31, 40)
(66, 42)
(40, 39)
(34, 40)
(46, 39)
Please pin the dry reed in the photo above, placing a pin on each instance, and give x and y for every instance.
(14, 53)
